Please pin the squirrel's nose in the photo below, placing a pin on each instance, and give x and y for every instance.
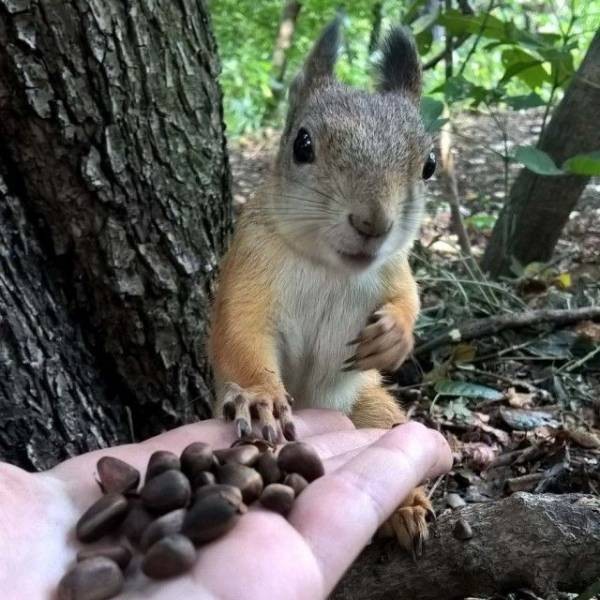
(371, 228)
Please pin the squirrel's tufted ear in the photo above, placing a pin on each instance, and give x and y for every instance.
(399, 68)
(320, 63)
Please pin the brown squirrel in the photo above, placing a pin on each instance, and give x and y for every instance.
(315, 294)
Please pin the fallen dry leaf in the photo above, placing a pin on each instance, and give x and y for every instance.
(481, 420)
(519, 399)
(588, 330)
(526, 420)
(476, 455)
(583, 438)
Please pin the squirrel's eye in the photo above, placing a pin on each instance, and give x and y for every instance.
(429, 166)
(303, 147)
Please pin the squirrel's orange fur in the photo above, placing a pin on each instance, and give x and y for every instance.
(315, 295)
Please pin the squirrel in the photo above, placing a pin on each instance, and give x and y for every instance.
(315, 296)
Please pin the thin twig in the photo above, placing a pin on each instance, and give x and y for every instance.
(495, 376)
(435, 485)
(456, 43)
(478, 38)
(568, 368)
(451, 185)
(500, 353)
(479, 328)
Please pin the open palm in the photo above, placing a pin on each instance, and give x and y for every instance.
(368, 472)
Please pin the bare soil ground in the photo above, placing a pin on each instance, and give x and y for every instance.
(521, 409)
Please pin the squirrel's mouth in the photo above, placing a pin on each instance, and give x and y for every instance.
(357, 259)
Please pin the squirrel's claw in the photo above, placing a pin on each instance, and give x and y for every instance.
(242, 428)
(257, 410)
(383, 344)
(409, 522)
(349, 364)
(237, 410)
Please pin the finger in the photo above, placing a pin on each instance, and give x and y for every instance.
(315, 421)
(340, 512)
(335, 461)
(215, 432)
(340, 444)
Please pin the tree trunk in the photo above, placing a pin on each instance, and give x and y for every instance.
(285, 35)
(52, 401)
(539, 206)
(115, 208)
(376, 18)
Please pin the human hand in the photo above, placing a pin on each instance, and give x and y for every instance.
(368, 473)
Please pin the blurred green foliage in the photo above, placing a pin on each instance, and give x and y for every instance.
(516, 55)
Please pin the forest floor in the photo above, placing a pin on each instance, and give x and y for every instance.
(521, 408)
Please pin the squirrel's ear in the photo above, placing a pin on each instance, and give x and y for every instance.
(320, 63)
(399, 68)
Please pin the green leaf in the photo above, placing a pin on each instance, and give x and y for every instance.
(424, 41)
(481, 221)
(532, 100)
(447, 387)
(431, 110)
(490, 27)
(424, 23)
(525, 67)
(436, 125)
(459, 24)
(412, 11)
(458, 88)
(536, 160)
(457, 410)
(583, 164)
(561, 62)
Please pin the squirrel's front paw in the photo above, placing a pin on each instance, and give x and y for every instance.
(384, 344)
(260, 409)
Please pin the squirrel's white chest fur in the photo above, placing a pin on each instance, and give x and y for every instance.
(320, 312)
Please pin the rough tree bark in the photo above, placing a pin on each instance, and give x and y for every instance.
(115, 207)
(43, 357)
(544, 543)
(530, 223)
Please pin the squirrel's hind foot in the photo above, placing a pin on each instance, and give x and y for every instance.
(409, 523)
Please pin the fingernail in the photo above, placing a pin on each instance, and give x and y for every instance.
(289, 432)
(289, 399)
(242, 428)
